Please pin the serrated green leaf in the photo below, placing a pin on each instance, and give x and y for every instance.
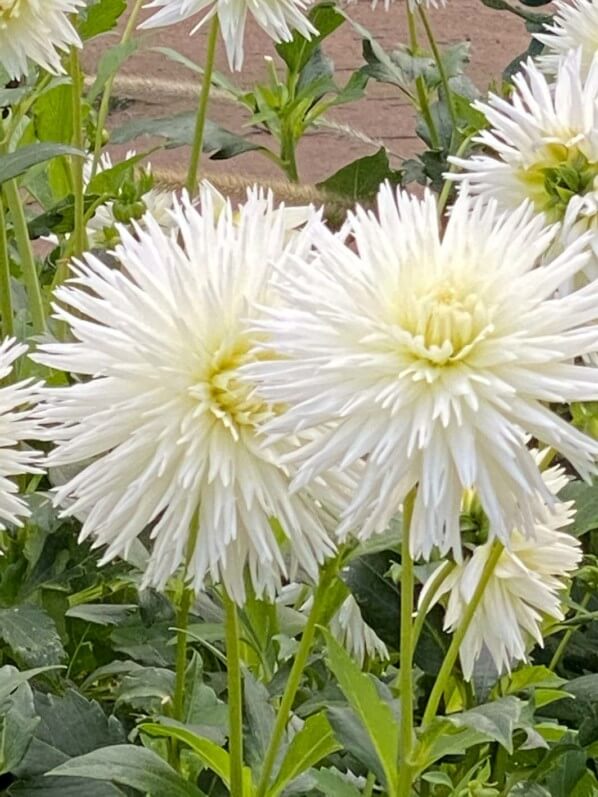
(374, 713)
(311, 744)
(16, 163)
(586, 506)
(102, 613)
(128, 765)
(326, 18)
(496, 720)
(214, 757)
(70, 726)
(31, 635)
(361, 179)
(179, 131)
(529, 677)
(331, 782)
(109, 64)
(100, 17)
(260, 718)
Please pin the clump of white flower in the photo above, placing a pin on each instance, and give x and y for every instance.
(166, 432)
(524, 590)
(16, 426)
(347, 624)
(428, 357)
(37, 31)
(277, 18)
(574, 26)
(542, 145)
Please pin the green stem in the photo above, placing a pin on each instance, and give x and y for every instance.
(406, 672)
(235, 696)
(452, 654)
(30, 277)
(202, 108)
(294, 679)
(369, 785)
(449, 184)
(6, 308)
(440, 65)
(420, 85)
(559, 652)
(77, 161)
(288, 156)
(182, 621)
(104, 108)
(500, 765)
(438, 579)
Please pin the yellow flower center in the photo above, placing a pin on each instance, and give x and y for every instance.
(8, 10)
(562, 173)
(445, 322)
(229, 399)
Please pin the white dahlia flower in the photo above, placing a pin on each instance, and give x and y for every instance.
(36, 30)
(429, 358)
(544, 147)
(347, 624)
(163, 427)
(356, 636)
(278, 18)
(16, 426)
(294, 216)
(524, 590)
(575, 25)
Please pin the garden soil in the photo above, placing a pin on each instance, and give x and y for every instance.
(152, 85)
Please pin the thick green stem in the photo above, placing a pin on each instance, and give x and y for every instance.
(420, 85)
(449, 184)
(30, 277)
(202, 108)
(439, 576)
(107, 93)
(6, 308)
(452, 653)
(288, 156)
(369, 785)
(77, 161)
(441, 69)
(406, 672)
(235, 696)
(559, 652)
(182, 621)
(294, 679)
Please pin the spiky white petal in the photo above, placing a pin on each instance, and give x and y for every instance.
(159, 420)
(575, 25)
(356, 636)
(36, 30)
(277, 18)
(524, 589)
(543, 145)
(16, 426)
(347, 624)
(429, 357)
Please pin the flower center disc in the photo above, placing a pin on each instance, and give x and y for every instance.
(563, 172)
(225, 396)
(445, 323)
(9, 9)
